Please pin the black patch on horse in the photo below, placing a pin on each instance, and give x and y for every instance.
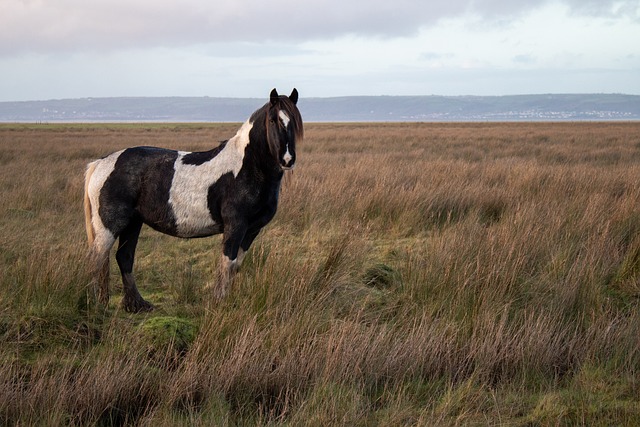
(124, 196)
(199, 157)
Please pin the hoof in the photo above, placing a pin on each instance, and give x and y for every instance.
(137, 306)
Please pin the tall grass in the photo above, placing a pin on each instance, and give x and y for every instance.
(415, 274)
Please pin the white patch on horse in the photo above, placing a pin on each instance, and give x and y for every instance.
(287, 156)
(285, 119)
(190, 186)
(241, 255)
(232, 265)
(103, 168)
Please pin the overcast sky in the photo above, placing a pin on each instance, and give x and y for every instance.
(53, 49)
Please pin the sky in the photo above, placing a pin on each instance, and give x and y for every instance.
(53, 49)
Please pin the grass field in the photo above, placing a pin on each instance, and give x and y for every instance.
(415, 274)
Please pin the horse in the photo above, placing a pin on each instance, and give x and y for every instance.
(231, 190)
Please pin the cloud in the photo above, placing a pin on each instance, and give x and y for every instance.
(46, 26)
(430, 56)
(525, 59)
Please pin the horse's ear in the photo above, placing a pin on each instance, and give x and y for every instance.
(294, 96)
(274, 96)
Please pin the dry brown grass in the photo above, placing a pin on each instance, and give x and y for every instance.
(415, 274)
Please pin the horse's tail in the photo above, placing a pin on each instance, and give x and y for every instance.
(87, 203)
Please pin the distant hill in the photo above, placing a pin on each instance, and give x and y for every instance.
(339, 109)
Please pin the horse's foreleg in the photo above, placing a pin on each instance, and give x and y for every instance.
(233, 255)
(246, 244)
(230, 262)
(228, 268)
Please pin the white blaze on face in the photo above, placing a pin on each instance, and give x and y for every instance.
(190, 188)
(285, 119)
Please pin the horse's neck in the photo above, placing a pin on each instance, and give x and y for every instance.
(241, 138)
(259, 158)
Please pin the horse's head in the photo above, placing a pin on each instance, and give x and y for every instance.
(284, 128)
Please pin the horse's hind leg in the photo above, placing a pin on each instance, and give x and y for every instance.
(132, 301)
(99, 259)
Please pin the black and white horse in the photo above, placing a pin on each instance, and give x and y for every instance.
(232, 189)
